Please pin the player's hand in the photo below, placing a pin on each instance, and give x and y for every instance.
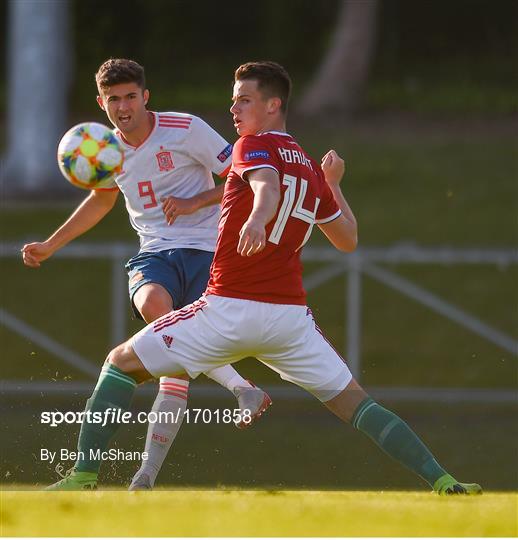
(333, 166)
(174, 207)
(252, 238)
(35, 253)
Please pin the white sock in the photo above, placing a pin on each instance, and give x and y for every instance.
(228, 377)
(171, 398)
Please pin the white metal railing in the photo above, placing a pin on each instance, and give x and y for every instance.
(354, 265)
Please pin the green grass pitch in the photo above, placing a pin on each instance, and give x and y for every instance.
(256, 513)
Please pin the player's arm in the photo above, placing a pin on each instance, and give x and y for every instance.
(175, 206)
(342, 232)
(87, 215)
(265, 185)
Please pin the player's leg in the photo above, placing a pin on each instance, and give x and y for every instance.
(153, 284)
(120, 375)
(228, 377)
(311, 362)
(152, 300)
(144, 356)
(167, 416)
(196, 264)
(252, 401)
(395, 437)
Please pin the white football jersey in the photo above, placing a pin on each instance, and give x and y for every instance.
(177, 159)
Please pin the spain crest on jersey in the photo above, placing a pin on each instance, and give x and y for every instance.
(165, 160)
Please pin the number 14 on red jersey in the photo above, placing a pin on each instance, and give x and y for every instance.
(290, 208)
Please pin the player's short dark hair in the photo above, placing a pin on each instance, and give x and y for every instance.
(272, 80)
(119, 71)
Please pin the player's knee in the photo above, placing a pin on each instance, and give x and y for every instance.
(122, 357)
(118, 357)
(152, 301)
(345, 404)
(153, 306)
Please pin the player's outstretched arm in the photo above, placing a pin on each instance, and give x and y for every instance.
(343, 231)
(175, 206)
(265, 185)
(88, 214)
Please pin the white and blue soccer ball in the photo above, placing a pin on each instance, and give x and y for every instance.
(90, 155)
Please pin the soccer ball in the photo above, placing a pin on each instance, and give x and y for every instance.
(89, 155)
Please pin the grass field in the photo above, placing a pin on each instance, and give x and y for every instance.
(257, 513)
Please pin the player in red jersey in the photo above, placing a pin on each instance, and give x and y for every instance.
(306, 199)
(255, 304)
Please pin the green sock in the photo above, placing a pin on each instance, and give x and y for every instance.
(114, 391)
(396, 438)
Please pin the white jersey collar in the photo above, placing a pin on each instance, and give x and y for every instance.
(153, 129)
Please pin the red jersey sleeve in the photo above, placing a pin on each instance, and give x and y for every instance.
(328, 209)
(254, 152)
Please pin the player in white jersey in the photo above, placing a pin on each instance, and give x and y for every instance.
(172, 202)
(176, 159)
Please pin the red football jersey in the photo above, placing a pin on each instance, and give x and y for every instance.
(275, 274)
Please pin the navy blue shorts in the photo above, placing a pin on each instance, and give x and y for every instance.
(183, 272)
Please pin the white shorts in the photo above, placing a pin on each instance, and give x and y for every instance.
(216, 330)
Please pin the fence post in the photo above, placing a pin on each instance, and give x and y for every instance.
(118, 302)
(353, 317)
